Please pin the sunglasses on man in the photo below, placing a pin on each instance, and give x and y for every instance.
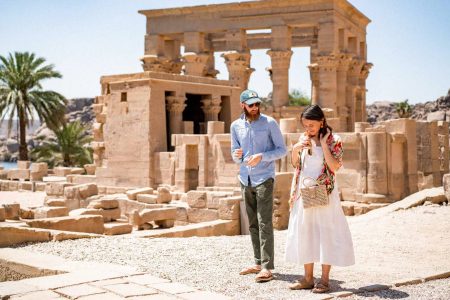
(257, 104)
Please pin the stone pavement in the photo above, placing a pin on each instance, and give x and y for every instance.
(82, 280)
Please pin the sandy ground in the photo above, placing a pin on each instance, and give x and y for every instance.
(25, 198)
(389, 246)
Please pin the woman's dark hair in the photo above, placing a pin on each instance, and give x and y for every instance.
(314, 112)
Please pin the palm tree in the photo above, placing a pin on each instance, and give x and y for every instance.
(403, 109)
(68, 147)
(22, 96)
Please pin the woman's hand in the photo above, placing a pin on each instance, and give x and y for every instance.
(303, 143)
(323, 140)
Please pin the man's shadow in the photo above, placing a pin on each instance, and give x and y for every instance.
(335, 286)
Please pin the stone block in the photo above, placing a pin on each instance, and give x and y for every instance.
(116, 228)
(56, 188)
(158, 214)
(2, 214)
(107, 214)
(87, 190)
(37, 175)
(17, 235)
(196, 199)
(19, 174)
(145, 198)
(90, 224)
(360, 209)
(446, 184)
(348, 208)
(90, 169)
(26, 213)
(374, 198)
(62, 171)
(164, 195)
(50, 212)
(54, 202)
(182, 214)
(39, 167)
(132, 194)
(23, 164)
(40, 186)
(13, 185)
(12, 211)
(77, 171)
(229, 208)
(213, 198)
(165, 223)
(26, 186)
(104, 203)
(197, 215)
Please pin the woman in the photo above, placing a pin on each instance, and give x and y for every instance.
(317, 234)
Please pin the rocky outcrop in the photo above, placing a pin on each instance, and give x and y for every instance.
(76, 109)
(438, 110)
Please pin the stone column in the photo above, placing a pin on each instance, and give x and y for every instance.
(362, 85)
(327, 97)
(211, 107)
(195, 64)
(161, 55)
(397, 167)
(342, 108)
(175, 106)
(280, 77)
(238, 65)
(315, 87)
(376, 163)
(352, 98)
(153, 63)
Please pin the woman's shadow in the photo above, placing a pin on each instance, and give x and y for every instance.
(335, 285)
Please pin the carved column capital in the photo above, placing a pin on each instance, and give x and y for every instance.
(175, 104)
(211, 107)
(238, 65)
(195, 64)
(154, 63)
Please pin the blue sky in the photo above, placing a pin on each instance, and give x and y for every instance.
(408, 43)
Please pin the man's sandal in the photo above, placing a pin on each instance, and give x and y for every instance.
(264, 276)
(320, 288)
(301, 285)
(250, 270)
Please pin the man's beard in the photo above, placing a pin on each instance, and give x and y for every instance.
(251, 117)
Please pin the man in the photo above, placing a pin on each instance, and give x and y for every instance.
(256, 142)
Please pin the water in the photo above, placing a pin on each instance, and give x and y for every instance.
(8, 165)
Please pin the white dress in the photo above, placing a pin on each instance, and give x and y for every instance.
(319, 234)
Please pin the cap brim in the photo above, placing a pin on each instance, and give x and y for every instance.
(252, 100)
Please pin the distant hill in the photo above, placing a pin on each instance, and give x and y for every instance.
(437, 110)
(4, 128)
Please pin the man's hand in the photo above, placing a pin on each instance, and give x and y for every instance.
(238, 153)
(254, 159)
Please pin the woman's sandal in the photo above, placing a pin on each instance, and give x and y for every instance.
(301, 285)
(250, 270)
(321, 287)
(264, 276)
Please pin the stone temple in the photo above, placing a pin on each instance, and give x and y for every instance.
(161, 143)
(176, 100)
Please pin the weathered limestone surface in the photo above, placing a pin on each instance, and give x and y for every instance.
(197, 215)
(90, 224)
(12, 211)
(12, 235)
(132, 194)
(50, 212)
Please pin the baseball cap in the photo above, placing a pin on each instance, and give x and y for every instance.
(249, 97)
